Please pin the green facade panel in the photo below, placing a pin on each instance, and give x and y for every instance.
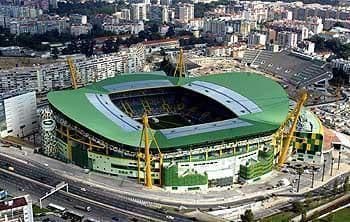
(61, 150)
(254, 169)
(191, 178)
(309, 143)
(79, 154)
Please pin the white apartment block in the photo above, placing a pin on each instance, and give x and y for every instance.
(287, 39)
(16, 209)
(341, 64)
(55, 76)
(256, 39)
(186, 12)
(138, 12)
(48, 77)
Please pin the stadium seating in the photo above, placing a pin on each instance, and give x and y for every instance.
(159, 102)
(298, 69)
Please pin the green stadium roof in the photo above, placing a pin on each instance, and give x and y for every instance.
(267, 94)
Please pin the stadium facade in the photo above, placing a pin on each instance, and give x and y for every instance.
(212, 131)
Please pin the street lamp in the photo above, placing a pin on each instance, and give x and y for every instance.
(313, 176)
(324, 166)
(299, 171)
(339, 159)
(332, 166)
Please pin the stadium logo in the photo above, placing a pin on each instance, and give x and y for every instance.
(48, 125)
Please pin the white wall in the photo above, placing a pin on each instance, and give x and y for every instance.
(21, 115)
(219, 168)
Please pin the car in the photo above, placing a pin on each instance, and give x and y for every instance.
(170, 217)
(83, 189)
(45, 164)
(285, 171)
(21, 189)
(115, 218)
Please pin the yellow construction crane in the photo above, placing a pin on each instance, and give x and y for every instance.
(147, 140)
(73, 72)
(293, 116)
(180, 65)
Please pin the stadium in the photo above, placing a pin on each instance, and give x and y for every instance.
(206, 132)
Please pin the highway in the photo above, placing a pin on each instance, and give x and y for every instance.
(61, 198)
(44, 175)
(325, 190)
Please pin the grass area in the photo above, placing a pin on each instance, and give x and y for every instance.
(37, 210)
(286, 216)
(280, 217)
(339, 216)
(317, 203)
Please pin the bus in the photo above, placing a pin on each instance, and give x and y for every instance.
(56, 207)
(84, 208)
(73, 216)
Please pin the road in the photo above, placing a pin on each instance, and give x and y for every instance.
(44, 175)
(61, 198)
(325, 190)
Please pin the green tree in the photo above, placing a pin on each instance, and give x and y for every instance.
(346, 186)
(330, 218)
(171, 32)
(335, 185)
(298, 207)
(248, 216)
(303, 216)
(154, 28)
(55, 53)
(308, 199)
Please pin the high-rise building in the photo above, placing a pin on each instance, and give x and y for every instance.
(287, 39)
(186, 12)
(159, 13)
(44, 78)
(138, 11)
(16, 209)
(256, 39)
(126, 14)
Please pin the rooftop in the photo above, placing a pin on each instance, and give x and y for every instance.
(13, 203)
(264, 101)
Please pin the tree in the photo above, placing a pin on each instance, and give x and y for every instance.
(298, 207)
(346, 185)
(335, 185)
(171, 32)
(330, 218)
(308, 199)
(154, 28)
(248, 216)
(55, 53)
(303, 216)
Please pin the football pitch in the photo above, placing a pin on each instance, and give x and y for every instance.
(166, 122)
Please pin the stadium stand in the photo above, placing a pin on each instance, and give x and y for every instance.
(182, 105)
(295, 68)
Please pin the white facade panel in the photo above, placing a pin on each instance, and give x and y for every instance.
(21, 115)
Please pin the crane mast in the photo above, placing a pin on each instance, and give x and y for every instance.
(294, 115)
(180, 65)
(73, 72)
(147, 137)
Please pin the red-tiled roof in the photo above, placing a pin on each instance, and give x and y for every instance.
(151, 42)
(14, 203)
